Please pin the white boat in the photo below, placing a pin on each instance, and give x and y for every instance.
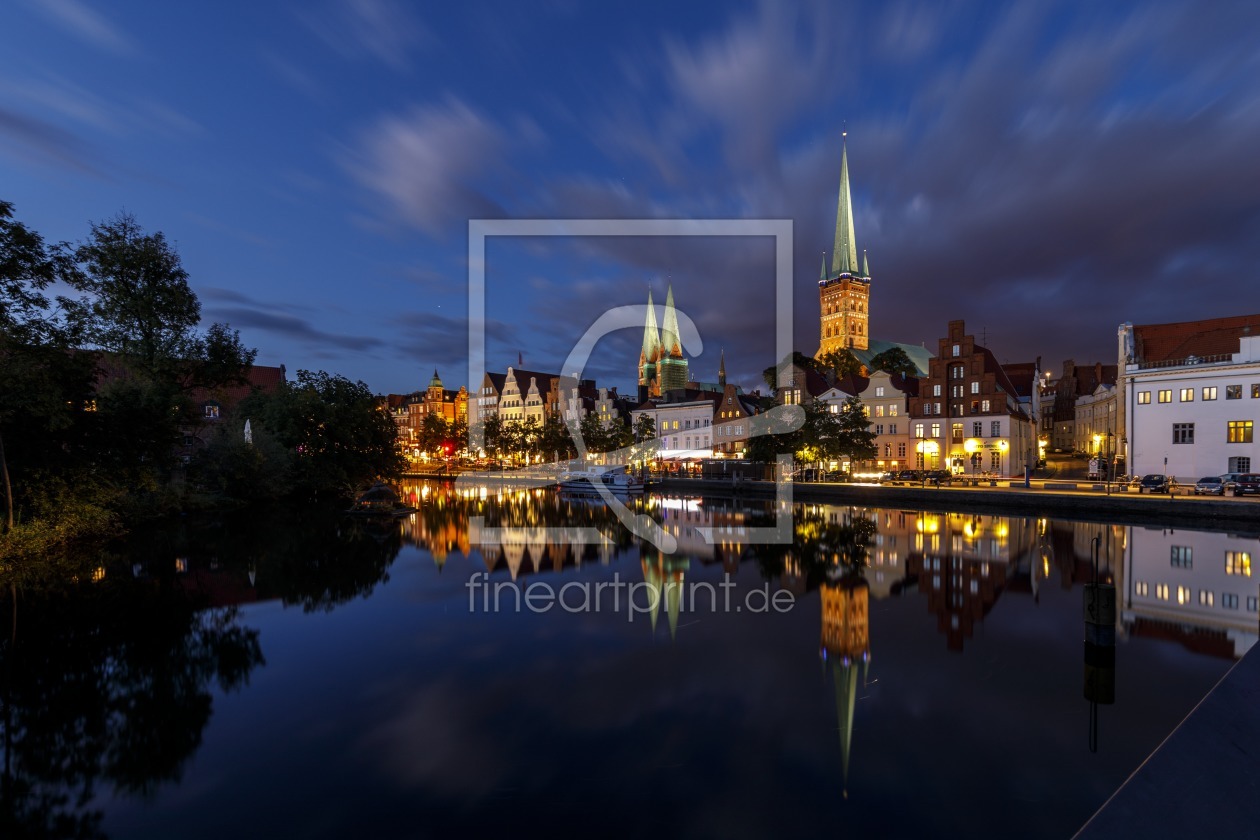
(616, 479)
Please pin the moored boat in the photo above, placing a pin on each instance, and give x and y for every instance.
(616, 479)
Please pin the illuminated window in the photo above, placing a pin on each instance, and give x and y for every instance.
(211, 410)
(956, 432)
(1187, 395)
(936, 430)
(918, 430)
(1165, 396)
(975, 387)
(1183, 595)
(1141, 588)
(1161, 591)
(1144, 397)
(984, 406)
(1238, 563)
(1239, 431)
(956, 349)
(1255, 390)
(1209, 393)
(892, 411)
(1206, 597)
(879, 392)
(936, 390)
(1182, 557)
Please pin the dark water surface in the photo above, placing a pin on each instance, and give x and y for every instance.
(923, 675)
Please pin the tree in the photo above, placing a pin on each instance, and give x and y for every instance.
(848, 434)
(44, 386)
(894, 360)
(141, 306)
(137, 306)
(842, 363)
(339, 439)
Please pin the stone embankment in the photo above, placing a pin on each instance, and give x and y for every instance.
(1085, 501)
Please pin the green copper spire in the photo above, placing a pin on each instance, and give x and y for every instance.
(651, 335)
(866, 267)
(670, 345)
(844, 254)
(823, 276)
(722, 368)
(436, 381)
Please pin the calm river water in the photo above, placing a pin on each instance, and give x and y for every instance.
(476, 667)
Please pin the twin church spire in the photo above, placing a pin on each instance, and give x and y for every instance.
(661, 364)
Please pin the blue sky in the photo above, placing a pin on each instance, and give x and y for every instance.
(1044, 171)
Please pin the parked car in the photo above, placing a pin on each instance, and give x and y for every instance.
(908, 475)
(1247, 484)
(1154, 483)
(1209, 485)
(938, 476)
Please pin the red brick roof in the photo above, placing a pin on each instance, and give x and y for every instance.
(1165, 342)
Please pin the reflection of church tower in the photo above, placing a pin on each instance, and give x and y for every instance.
(664, 577)
(845, 648)
(844, 291)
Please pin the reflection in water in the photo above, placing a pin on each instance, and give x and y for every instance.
(109, 662)
(1196, 587)
(109, 684)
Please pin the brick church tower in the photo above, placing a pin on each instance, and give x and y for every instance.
(844, 291)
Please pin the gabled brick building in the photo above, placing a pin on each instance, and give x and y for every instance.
(968, 416)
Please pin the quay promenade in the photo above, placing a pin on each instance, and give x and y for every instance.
(1084, 501)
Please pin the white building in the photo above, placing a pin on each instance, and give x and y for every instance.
(685, 429)
(1190, 397)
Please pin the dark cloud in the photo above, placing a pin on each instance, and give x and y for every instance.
(1044, 173)
(292, 327)
(35, 141)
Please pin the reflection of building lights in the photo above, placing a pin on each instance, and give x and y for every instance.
(928, 524)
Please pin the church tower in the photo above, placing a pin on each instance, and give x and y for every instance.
(844, 290)
(672, 369)
(649, 355)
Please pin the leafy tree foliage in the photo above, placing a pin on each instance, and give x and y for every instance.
(824, 436)
(44, 386)
(337, 438)
(894, 360)
(841, 363)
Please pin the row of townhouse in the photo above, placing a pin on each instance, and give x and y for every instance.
(966, 413)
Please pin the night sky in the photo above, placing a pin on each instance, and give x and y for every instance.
(1044, 171)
